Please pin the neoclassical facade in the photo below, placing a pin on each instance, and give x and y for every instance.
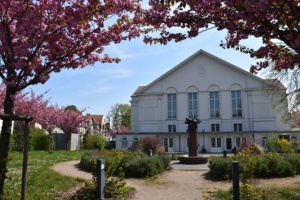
(228, 100)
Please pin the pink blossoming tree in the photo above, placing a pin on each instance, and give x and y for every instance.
(50, 119)
(70, 121)
(274, 22)
(40, 37)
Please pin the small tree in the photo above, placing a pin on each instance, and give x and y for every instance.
(70, 121)
(95, 141)
(50, 119)
(151, 143)
(120, 114)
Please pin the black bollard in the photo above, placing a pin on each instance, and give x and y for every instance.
(235, 180)
(100, 179)
(225, 154)
(150, 153)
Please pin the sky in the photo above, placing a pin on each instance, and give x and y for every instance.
(101, 86)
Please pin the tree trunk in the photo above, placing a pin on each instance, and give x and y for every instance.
(5, 139)
(68, 141)
(49, 142)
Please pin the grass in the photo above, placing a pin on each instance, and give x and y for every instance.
(285, 193)
(42, 182)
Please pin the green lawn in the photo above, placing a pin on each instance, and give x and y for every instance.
(42, 182)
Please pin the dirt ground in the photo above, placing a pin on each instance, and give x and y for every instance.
(175, 184)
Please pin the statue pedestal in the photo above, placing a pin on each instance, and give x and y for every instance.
(190, 160)
(193, 144)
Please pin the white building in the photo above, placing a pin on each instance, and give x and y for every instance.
(228, 101)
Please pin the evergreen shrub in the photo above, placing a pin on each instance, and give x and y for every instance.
(144, 167)
(220, 168)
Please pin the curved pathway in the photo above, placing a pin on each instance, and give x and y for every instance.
(70, 168)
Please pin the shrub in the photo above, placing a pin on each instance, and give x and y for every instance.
(220, 168)
(151, 143)
(250, 148)
(260, 166)
(115, 187)
(38, 140)
(144, 167)
(285, 146)
(95, 141)
(88, 160)
(160, 150)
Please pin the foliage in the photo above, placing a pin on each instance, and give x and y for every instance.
(220, 168)
(268, 165)
(160, 150)
(146, 167)
(285, 146)
(89, 159)
(151, 143)
(38, 140)
(95, 141)
(39, 38)
(267, 193)
(250, 147)
(115, 187)
(275, 144)
(120, 114)
(114, 159)
(134, 164)
(241, 19)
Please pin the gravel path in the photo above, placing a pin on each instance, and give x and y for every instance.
(175, 184)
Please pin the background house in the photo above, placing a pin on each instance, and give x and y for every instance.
(228, 100)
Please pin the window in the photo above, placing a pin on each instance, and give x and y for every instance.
(172, 106)
(214, 104)
(171, 143)
(216, 143)
(135, 141)
(240, 141)
(236, 103)
(215, 128)
(193, 105)
(294, 138)
(264, 142)
(171, 128)
(124, 142)
(237, 127)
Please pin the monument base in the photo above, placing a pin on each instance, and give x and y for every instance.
(193, 159)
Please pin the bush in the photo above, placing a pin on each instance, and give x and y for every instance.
(38, 140)
(259, 166)
(131, 162)
(95, 141)
(88, 160)
(144, 167)
(220, 168)
(151, 143)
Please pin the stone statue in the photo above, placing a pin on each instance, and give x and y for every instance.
(192, 125)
